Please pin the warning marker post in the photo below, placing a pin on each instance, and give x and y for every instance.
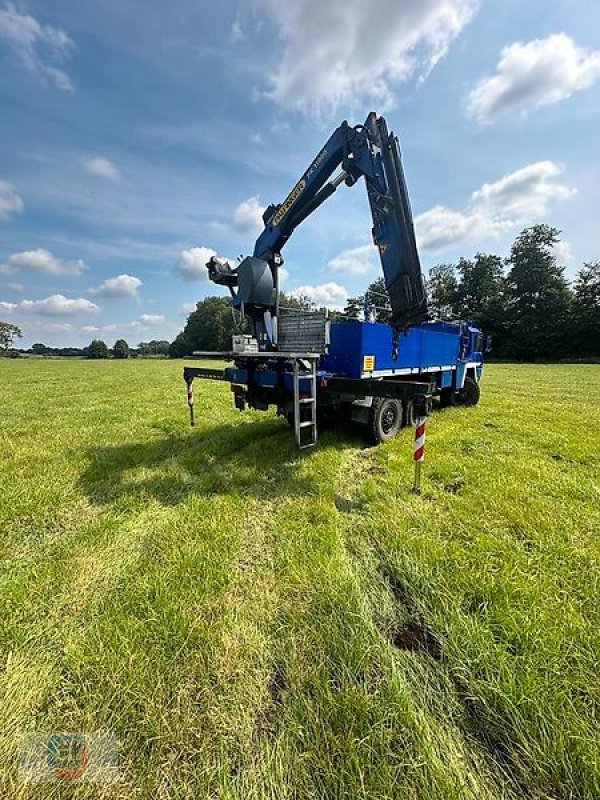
(419, 452)
(190, 399)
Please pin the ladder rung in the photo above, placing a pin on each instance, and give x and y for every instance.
(306, 424)
(306, 400)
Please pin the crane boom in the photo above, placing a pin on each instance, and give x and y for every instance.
(368, 151)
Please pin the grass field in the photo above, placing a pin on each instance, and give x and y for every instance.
(252, 622)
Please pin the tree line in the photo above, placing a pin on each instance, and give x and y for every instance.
(96, 349)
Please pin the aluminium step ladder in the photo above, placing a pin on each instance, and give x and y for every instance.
(305, 429)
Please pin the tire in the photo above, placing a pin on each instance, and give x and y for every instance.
(469, 394)
(385, 419)
(447, 397)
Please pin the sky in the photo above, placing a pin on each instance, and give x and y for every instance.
(139, 139)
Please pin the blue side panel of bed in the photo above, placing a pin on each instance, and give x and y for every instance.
(432, 344)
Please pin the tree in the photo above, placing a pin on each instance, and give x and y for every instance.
(300, 302)
(8, 334)
(97, 349)
(379, 300)
(209, 327)
(213, 322)
(121, 349)
(39, 349)
(586, 310)
(180, 346)
(354, 307)
(442, 289)
(480, 295)
(538, 297)
(155, 347)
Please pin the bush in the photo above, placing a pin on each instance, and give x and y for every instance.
(120, 349)
(97, 349)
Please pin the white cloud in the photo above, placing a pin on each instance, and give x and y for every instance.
(532, 74)
(145, 322)
(352, 51)
(248, 215)
(38, 48)
(329, 294)
(524, 193)
(51, 327)
(151, 319)
(192, 263)
(54, 305)
(119, 286)
(439, 227)
(101, 167)
(237, 32)
(187, 308)
(519, 198)
(10, 201)
(563, 252)
(43, 261)
(98, 328)
(356, 261)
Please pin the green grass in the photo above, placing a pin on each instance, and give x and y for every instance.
(253, 622)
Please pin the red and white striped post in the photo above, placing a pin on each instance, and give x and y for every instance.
(419, 451)
(190, 399)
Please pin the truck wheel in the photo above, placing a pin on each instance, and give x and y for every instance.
(446, 398)
(385, 419)
(469, 394)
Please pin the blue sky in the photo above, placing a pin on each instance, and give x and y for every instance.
(137, 139)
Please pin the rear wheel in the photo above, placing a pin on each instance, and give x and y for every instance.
(469, 394)
(385, 419)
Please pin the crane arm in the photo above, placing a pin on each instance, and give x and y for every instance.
(367, 151)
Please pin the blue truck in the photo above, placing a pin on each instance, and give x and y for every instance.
(312, 368)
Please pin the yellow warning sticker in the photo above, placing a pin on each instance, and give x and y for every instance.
(368, 363)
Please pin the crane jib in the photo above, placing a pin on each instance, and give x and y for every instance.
(366, 151)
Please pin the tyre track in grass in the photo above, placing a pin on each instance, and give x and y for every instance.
(476, 765)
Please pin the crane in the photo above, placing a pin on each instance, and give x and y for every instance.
(380, 375)
(366, 151)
